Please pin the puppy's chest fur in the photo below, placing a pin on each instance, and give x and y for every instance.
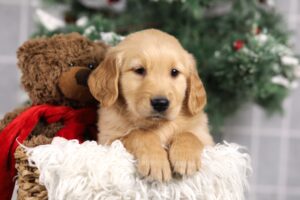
(114, 125)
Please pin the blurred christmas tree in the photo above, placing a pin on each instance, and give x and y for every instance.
(240, 45)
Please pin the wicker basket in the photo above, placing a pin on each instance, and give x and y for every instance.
(28, 177)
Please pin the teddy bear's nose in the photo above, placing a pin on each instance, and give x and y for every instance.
(82, 76)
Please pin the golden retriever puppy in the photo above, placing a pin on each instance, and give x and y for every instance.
(152, 100)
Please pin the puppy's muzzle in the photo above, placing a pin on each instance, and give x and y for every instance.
(160, 104)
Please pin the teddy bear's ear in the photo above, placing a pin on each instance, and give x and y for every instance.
(38, 79)
(101, 44)
(100, 49)
(29, 49)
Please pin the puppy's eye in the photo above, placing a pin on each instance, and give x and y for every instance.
(140, 71)
(91, 66)
(174, 72)
(71, 64)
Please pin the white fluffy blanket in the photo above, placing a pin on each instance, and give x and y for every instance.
(72, 171)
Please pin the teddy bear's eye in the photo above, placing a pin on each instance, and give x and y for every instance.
(91, 65)
(71, 64)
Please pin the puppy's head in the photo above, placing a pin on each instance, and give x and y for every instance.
(153, 74)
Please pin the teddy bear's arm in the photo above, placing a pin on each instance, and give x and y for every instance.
(8, 117)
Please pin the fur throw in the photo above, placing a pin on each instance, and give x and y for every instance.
(70, 170)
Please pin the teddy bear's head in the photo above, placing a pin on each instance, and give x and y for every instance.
(55, 70)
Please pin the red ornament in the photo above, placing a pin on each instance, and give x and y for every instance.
(257, 31)
(112, 1)
(238, 44)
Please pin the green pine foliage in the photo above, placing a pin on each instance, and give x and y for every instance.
(238, 50)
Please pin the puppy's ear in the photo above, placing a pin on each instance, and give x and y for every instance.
(103, 81)
(196, 95)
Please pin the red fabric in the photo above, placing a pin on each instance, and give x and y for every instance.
(75, 123)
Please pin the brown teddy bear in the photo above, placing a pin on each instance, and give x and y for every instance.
(54, 74)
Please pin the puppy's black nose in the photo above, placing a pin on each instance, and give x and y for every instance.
(160, 104)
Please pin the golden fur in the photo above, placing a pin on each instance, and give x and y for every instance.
(173, 139)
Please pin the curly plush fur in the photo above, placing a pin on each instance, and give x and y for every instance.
(55, 71)
(43, 61)
(96, 172)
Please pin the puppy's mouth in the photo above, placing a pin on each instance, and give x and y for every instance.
(157, 116)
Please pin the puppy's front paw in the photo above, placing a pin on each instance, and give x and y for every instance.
(185, 154)
(152, 159)
(155, 165)
(185, 161)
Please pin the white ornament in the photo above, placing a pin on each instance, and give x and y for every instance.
(270, 3)
(82, 21)
(110, 37)
(280, 80)
(89, 30)
(48, 21)
(289, 60)
(262, 38)
(104, 4)
(107, 36)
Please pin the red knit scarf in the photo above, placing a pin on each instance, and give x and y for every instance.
(75, 122)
